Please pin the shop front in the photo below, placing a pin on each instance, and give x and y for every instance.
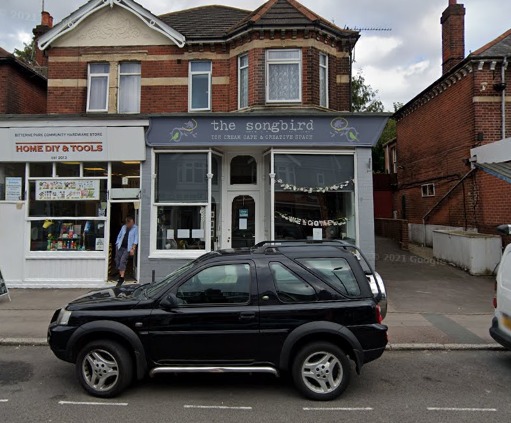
(65, 188)
(227, 181)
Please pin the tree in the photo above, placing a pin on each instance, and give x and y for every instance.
(364, 98)
(26, 54)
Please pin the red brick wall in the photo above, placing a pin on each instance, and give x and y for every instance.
(20, 92)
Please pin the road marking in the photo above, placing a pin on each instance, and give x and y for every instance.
(4, 400)
(216, 407)
(120, 404)
(460, 409)
(337, 409)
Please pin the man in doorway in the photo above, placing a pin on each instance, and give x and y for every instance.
(126, 246)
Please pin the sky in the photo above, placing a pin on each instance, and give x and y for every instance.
(398, 64)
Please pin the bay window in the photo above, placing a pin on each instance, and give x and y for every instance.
(283, 76)
(98, 85)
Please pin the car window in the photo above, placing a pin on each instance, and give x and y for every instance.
(290, 288)
(222, 284)
(336, 271)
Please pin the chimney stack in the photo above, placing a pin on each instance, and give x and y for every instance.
(46, 24)
(453, 35)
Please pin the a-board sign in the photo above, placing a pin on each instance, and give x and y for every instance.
(3, 287)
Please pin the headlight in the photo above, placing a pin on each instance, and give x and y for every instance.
(64, 317)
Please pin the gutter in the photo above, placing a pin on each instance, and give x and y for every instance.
(503, 81)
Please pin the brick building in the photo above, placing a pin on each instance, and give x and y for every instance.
(22, 89)
(217, 127)
(467, 107)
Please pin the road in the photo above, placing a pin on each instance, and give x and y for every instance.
(416, 386)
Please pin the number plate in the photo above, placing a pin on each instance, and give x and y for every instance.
(506, 321)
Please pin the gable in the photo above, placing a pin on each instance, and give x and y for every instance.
(111, 27)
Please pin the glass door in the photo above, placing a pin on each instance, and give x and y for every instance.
(244, 219)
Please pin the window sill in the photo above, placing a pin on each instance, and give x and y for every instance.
(59, 255)
(177, 254)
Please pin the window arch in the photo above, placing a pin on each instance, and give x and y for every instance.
(243, 170)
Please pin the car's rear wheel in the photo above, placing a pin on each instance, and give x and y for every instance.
(104, 368)
(321, 371)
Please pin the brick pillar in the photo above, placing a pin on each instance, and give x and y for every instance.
(453, 35)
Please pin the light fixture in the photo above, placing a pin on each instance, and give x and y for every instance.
(70, 163)
(94, 169)
(131, 163)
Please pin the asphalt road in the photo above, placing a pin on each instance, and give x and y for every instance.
(417, 386)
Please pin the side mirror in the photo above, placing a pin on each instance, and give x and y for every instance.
(504, 229)
(170, 302)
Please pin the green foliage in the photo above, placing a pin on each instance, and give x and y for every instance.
(388, 134)
(364, 98)
(26, 54)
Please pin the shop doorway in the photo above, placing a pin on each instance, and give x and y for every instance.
(118, 213)
(244, 219)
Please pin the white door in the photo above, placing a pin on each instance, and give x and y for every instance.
(242, 219)
(503, 312)
(12, 245)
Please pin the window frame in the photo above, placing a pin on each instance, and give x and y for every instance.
(191, 74)
(240, 68)
(428, 190)
(277, 290)
(90, 77)
(298, 62)
(121, 74)
(327, 85)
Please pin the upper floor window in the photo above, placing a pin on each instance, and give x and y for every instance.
(323, 80)
(200, 86)
(428, 190)
(283, 76)
(393, 154)
(243, 81)
(97, 96)
(129, 87)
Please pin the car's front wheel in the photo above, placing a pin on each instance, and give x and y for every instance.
(321, 371)
(104, 368)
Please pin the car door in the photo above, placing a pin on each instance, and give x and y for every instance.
(503, 312)
(217, 320)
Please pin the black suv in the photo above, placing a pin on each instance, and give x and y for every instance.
(303, 308)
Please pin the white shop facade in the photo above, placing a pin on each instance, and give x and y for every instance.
(65, 187)
(217, 181)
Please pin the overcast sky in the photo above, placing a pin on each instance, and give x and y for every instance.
(399, 63)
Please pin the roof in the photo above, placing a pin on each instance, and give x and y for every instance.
(282, 13)
(500, 46)
(499, 170)
(206, 22)
(6, 57)
(78, 16)
(4, 53)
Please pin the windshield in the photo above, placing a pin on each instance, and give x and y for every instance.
(155, 289)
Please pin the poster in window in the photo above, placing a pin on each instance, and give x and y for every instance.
(100, 244)
(13, 187)
(67, 190)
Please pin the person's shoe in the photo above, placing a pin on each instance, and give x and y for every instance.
(120, 282)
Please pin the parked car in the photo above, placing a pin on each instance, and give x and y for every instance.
(501, 324)
(304, 308)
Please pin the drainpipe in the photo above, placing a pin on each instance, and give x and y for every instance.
(504, 67)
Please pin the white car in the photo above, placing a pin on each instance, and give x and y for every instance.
(501, 326)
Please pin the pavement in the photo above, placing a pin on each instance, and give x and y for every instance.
(432, 305)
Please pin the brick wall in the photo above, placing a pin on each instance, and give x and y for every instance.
(21, 92)
(396, 229)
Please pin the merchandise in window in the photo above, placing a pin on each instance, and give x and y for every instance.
(67, 235)
(182, 178)
(97, 99)
(181, 228)
(200, 86)
(12, 181)
(314, 197)
(284, 76)
(243, 81)
(129, 87)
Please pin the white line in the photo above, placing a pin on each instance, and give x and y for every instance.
(4, 400)
(216, 407)
(460, 409)
(121, 404)
(337, 409)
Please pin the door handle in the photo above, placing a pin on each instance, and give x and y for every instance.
(248, 315)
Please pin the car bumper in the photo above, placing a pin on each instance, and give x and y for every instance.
(371, 355)
(58, 337)
(499, 335)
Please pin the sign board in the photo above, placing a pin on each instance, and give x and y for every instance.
(59, 144)
(3, 287)
(13, 188)
(243, 212)
(328, 130)
(67, 190)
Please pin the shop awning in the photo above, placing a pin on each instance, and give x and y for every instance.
(499, 170)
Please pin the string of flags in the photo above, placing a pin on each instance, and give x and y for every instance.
(312, 223)
(310, 190)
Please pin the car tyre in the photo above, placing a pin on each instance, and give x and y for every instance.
(104, 368)
(321, 371)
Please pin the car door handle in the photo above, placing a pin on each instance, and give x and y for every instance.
(248, 316)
